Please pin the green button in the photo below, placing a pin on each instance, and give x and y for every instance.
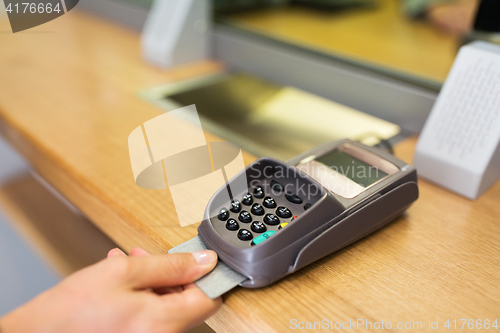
(263, 237)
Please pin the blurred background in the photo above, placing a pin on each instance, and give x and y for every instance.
(414, 38)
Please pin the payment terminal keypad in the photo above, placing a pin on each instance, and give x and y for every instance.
(258, 214)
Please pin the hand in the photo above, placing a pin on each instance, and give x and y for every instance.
(140, 293)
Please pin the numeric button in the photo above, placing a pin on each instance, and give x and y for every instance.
(293, 198)
(269, 202)
(257, 209)
(235, 206)
(245, 217)
(258, 227)
(258, 192)
(283, 212)
(247, 199)
(245, 235)
(223, 214)
(277, 187)
(232, 225)
(271, 219)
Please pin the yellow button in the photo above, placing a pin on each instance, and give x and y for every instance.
(282, 225)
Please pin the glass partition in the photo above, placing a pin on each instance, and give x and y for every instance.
(385, 35)
(414, 40)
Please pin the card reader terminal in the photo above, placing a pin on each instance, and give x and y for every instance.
(298, 212)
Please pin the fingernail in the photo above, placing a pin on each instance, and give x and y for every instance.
(116, 252)
(204, 257)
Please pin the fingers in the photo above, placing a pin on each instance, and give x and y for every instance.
(135, 252)
(191, 306)
(170, 269)
(189, 286)
(180, 303)
(116, 252)
(138, 252)
(168, 290)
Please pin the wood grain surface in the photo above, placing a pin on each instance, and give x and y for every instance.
(60, 235)
(68, 101)
(383, 36)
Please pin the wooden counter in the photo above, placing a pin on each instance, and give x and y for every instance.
(68, 101)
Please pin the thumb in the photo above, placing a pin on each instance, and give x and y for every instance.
(170, 269)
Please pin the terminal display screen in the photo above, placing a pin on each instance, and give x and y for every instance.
(352, 168)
